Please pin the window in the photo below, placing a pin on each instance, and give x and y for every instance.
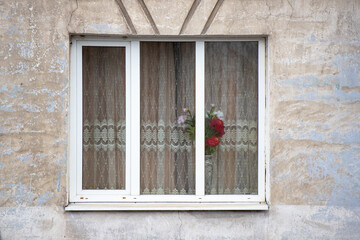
(131, 147)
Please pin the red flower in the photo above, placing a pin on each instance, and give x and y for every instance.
(218, 125)
(212, 142)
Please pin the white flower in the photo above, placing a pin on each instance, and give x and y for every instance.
(219, 115)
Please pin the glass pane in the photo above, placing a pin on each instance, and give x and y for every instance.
(231, 97)
(103, 118)
(167, 86)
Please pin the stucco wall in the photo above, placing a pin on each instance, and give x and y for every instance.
(313, 106)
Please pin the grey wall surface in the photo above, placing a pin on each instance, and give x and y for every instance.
(313, 106)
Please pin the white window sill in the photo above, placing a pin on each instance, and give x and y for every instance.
(164, 206)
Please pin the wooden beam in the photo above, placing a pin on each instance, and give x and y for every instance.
(126, 16)
(149, 17)
(189, 15)
(212, 16)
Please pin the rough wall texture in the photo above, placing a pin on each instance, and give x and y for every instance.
(313, 105)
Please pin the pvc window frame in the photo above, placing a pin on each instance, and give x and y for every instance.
(130, 198)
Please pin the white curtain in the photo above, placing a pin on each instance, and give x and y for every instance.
(103, 118)
(167, 86)
(167, 159)
(231, 75)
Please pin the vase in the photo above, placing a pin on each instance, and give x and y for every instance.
(209, 167)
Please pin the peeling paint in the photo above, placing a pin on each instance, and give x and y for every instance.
(25, 158)
(11, 30)
(7, 107)
(25, 50)
(105, 28)
(347, 138)
(45, 198)
(57, 65)
(342, 167)
(7, 152)
(30, 108)
(51, 106)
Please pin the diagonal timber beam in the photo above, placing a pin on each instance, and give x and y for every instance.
(149, 17)
(212, 16)
(126, 16)
(189, 15)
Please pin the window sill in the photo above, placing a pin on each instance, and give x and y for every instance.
(164, 206)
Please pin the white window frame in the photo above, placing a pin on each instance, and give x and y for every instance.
(130, 198)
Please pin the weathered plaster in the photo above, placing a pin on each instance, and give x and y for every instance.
(281, 222)
(200, 16)
(314, 106)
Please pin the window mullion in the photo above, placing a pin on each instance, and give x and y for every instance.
(261, 119)
(79, 118)
(128, 117)
(134, 123)
(200, 118)
(74, 147)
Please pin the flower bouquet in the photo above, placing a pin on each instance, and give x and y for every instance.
(214, 130)
(214, 127)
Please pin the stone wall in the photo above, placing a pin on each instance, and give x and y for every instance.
(313, 106)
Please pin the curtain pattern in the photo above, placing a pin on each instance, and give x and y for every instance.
(167, 86)
(231, 84)
(103, 118)
(167, 159)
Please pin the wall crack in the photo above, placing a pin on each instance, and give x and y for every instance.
(180, 227)
(71, 15)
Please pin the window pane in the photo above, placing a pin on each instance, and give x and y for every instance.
(103, 118)
(167, 86)
(231, 84)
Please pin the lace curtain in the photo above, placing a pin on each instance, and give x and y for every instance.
(231, 75)
(167, 86)
(167, 158)
(103, 118)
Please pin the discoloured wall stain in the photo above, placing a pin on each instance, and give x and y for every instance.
(314, 106)
(281, 222)
(97, 17)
